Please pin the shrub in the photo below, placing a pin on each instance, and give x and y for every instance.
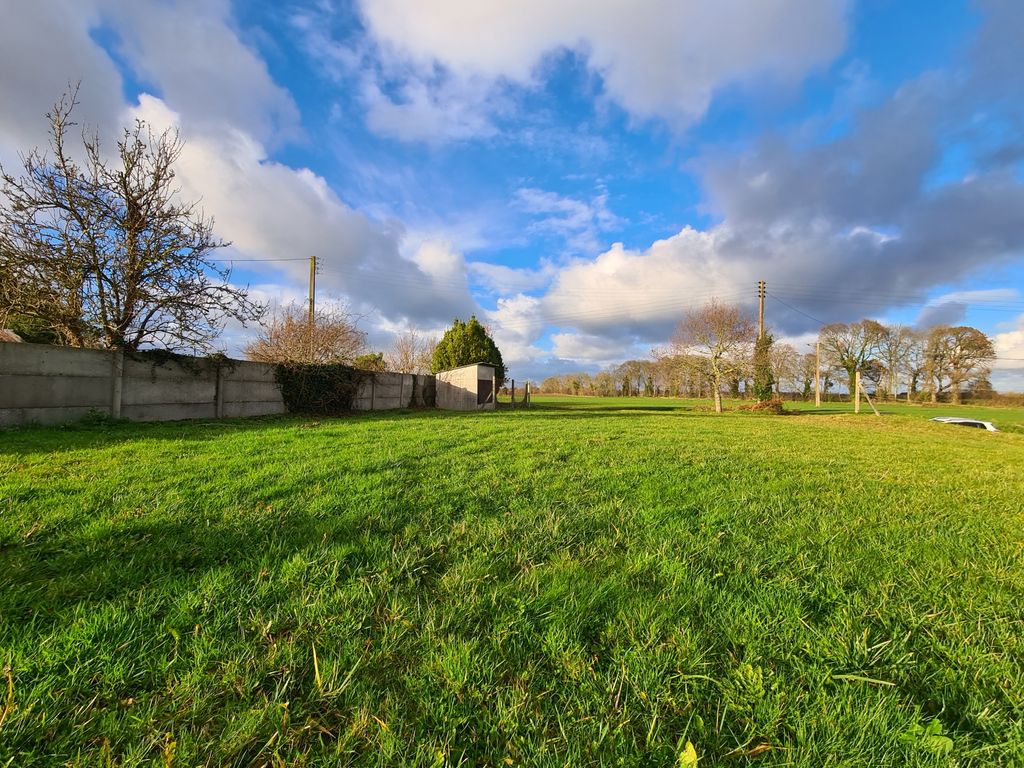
(327, 389)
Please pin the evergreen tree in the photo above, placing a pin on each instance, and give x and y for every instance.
(763, 380)
(466, 343)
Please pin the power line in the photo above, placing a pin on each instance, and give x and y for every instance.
(799, 311)
(229, 260)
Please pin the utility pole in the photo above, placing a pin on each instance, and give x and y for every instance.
(760, 308)
(312, 304)
(856, 402)
(817, 375)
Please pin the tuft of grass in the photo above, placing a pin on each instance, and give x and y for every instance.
(583, 583)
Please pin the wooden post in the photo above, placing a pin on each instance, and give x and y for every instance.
(856, 402)
(760, 308)
(817, 375)
(512, 392)
(116, 383)
(312, 304)
(868, 398)
(494, 392)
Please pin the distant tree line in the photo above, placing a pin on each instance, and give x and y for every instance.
(712, 353)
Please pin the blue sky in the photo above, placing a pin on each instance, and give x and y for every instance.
(578, 174)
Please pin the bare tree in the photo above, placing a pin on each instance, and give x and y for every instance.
(915, 364)
(410, 352)
(806, 367)
(287, 337)
(957, 355)
(105, 254)
(721, 334)
(851, 345)
(785, 365)
(894, 350)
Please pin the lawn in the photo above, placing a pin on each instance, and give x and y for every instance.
(588, 582)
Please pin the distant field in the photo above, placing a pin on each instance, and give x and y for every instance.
(591, 582)
(1002, 417)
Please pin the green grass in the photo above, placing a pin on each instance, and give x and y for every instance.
(587, 583)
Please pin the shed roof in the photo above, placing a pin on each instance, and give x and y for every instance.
(471, 365)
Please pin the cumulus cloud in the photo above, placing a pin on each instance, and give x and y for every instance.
(32, 83)
(1008, 371)
(662, 59)
(842, 228)
(168, 47)
(230, 113)
(515, 324)
(586, 348)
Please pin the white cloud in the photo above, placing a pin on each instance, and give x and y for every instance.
(623, 291)
(168, 46)
(1010, 347)
(35, 78)
(587, 348)
(515, 325)
(579, 222)
(503, 280)
(428, 111)
(662, 58)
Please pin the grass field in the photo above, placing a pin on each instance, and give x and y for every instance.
(591, 582)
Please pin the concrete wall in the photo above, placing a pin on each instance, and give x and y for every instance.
(42, 384)
(457, 389)
(387, 391)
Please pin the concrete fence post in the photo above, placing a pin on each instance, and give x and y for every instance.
(116, 382)
(218, 397)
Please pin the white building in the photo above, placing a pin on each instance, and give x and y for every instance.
(467, 388)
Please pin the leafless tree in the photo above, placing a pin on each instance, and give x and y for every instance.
(894, 350)
(287, 337)
(105, 253)
(806, 367)
(956, 355)
(785, 364)
(915, 364)
(851, 345)
(721, 334)
(410, 352)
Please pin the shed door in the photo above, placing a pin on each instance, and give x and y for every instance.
(483, 391)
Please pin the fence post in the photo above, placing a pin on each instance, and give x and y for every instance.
(116, 383)
(512, 392)
(218, 396)
(494, 392)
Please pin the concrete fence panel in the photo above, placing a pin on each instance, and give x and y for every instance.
(43, 384)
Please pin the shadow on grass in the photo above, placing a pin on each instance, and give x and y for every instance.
(30, 440)
(45, 580)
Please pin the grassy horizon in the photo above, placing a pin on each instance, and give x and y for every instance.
(584, 583)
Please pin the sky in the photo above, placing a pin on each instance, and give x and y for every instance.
(577, 173)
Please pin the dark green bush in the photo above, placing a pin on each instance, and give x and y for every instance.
(325, 389)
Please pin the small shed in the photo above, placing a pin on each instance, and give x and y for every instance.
(467, 388)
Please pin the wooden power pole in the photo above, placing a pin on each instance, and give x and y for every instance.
(760, 308)
(817, 375)
(312, 305)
